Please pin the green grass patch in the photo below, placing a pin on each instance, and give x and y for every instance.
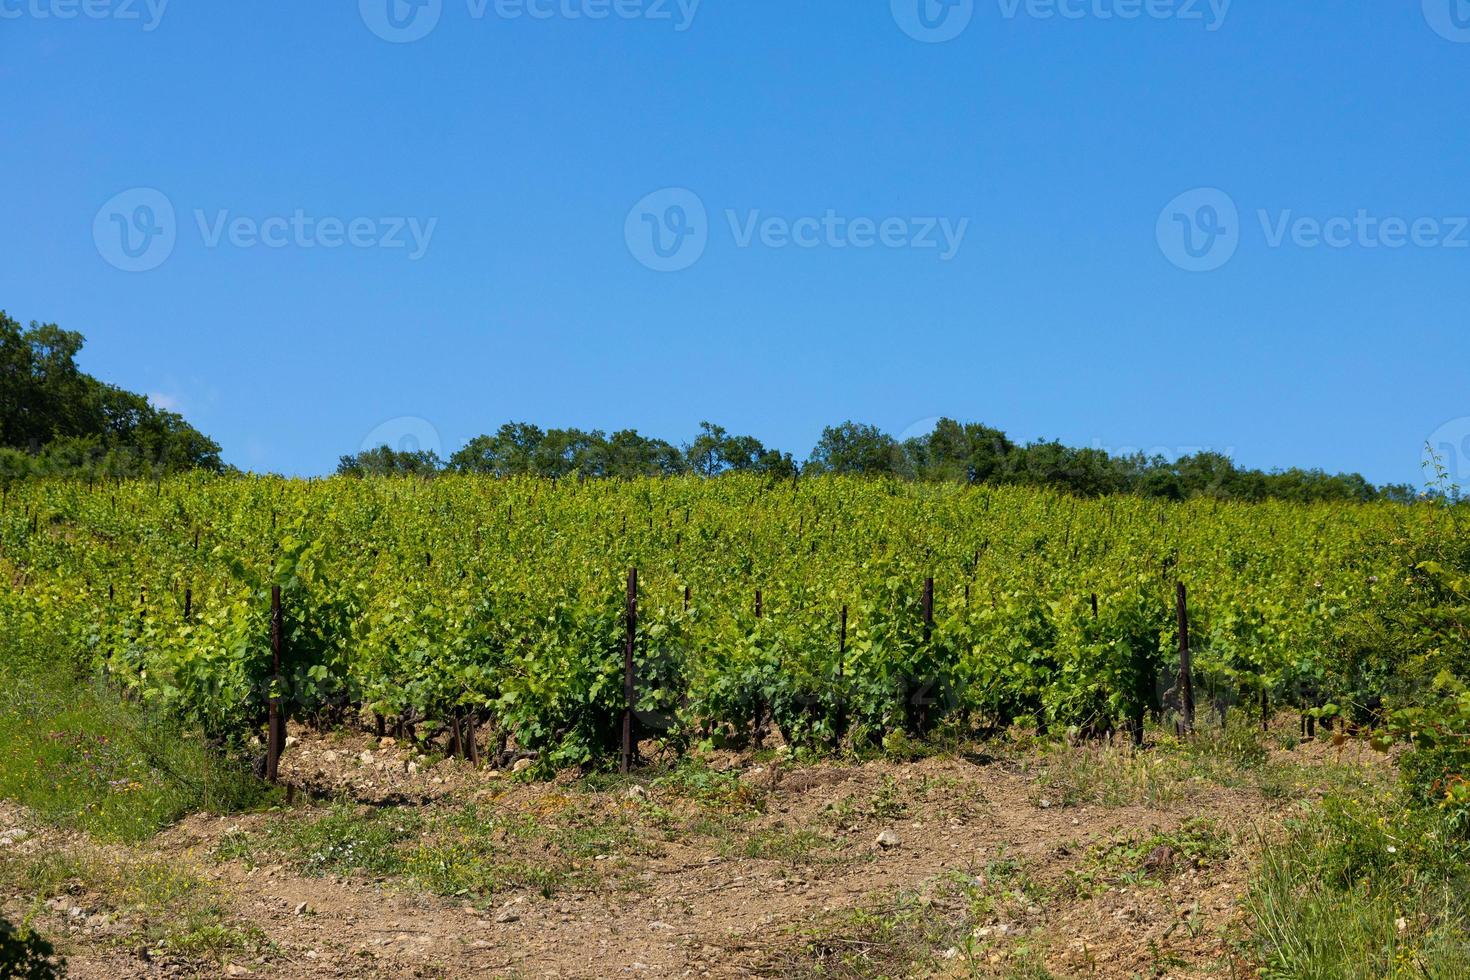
(693, 779)
(1361, 889)
(465, 852)
(80, 756)
(797, 847)
(153, 903)
(1175, 769)
(1149, 859)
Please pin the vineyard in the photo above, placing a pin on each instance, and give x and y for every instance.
(498, 614)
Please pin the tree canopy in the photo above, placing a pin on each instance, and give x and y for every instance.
(953, 452)
(55, 418)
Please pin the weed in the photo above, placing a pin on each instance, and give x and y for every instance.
(116, 769)
(155, 904)
(1363, 888)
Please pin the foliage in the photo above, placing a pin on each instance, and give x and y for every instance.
(25, 955)
(88, 759)
(952, 452)
(55, 419)
(1363, 888)
(504, 600)
(387, 461)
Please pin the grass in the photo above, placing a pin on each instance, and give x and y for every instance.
(898, 937)
(693, 779)
(82, 757)
(1175, 770)
(147, 902)
(1364, 888)
(794, 847)
(1198, 843)
(464, 852)
(925, 931)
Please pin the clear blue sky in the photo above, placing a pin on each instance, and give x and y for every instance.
(1062, 141)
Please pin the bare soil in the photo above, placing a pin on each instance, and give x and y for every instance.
(989, 874)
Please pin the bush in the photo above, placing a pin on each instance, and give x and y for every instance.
(25, 955)
(1364, 889)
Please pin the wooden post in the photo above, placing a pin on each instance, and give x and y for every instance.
(472, 740)
(1094, 605)
(928, 603)
(688, 592)
(188, 603)
(1265, 707)
(629, 694)
(928, 607)
(757, 728)
(276, 726)
(841, 674)
(454, 746)
(1186, 671)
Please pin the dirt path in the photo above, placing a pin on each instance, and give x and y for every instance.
(988, 872)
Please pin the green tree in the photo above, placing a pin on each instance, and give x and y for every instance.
(857, 450)
(387, 461)
(959, 453)
(69, 422)
(715, 451)
(510, 452)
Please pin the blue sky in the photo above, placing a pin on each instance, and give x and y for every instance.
(1139, 197)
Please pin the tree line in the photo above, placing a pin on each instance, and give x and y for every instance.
(953, 452)
(55, 419)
